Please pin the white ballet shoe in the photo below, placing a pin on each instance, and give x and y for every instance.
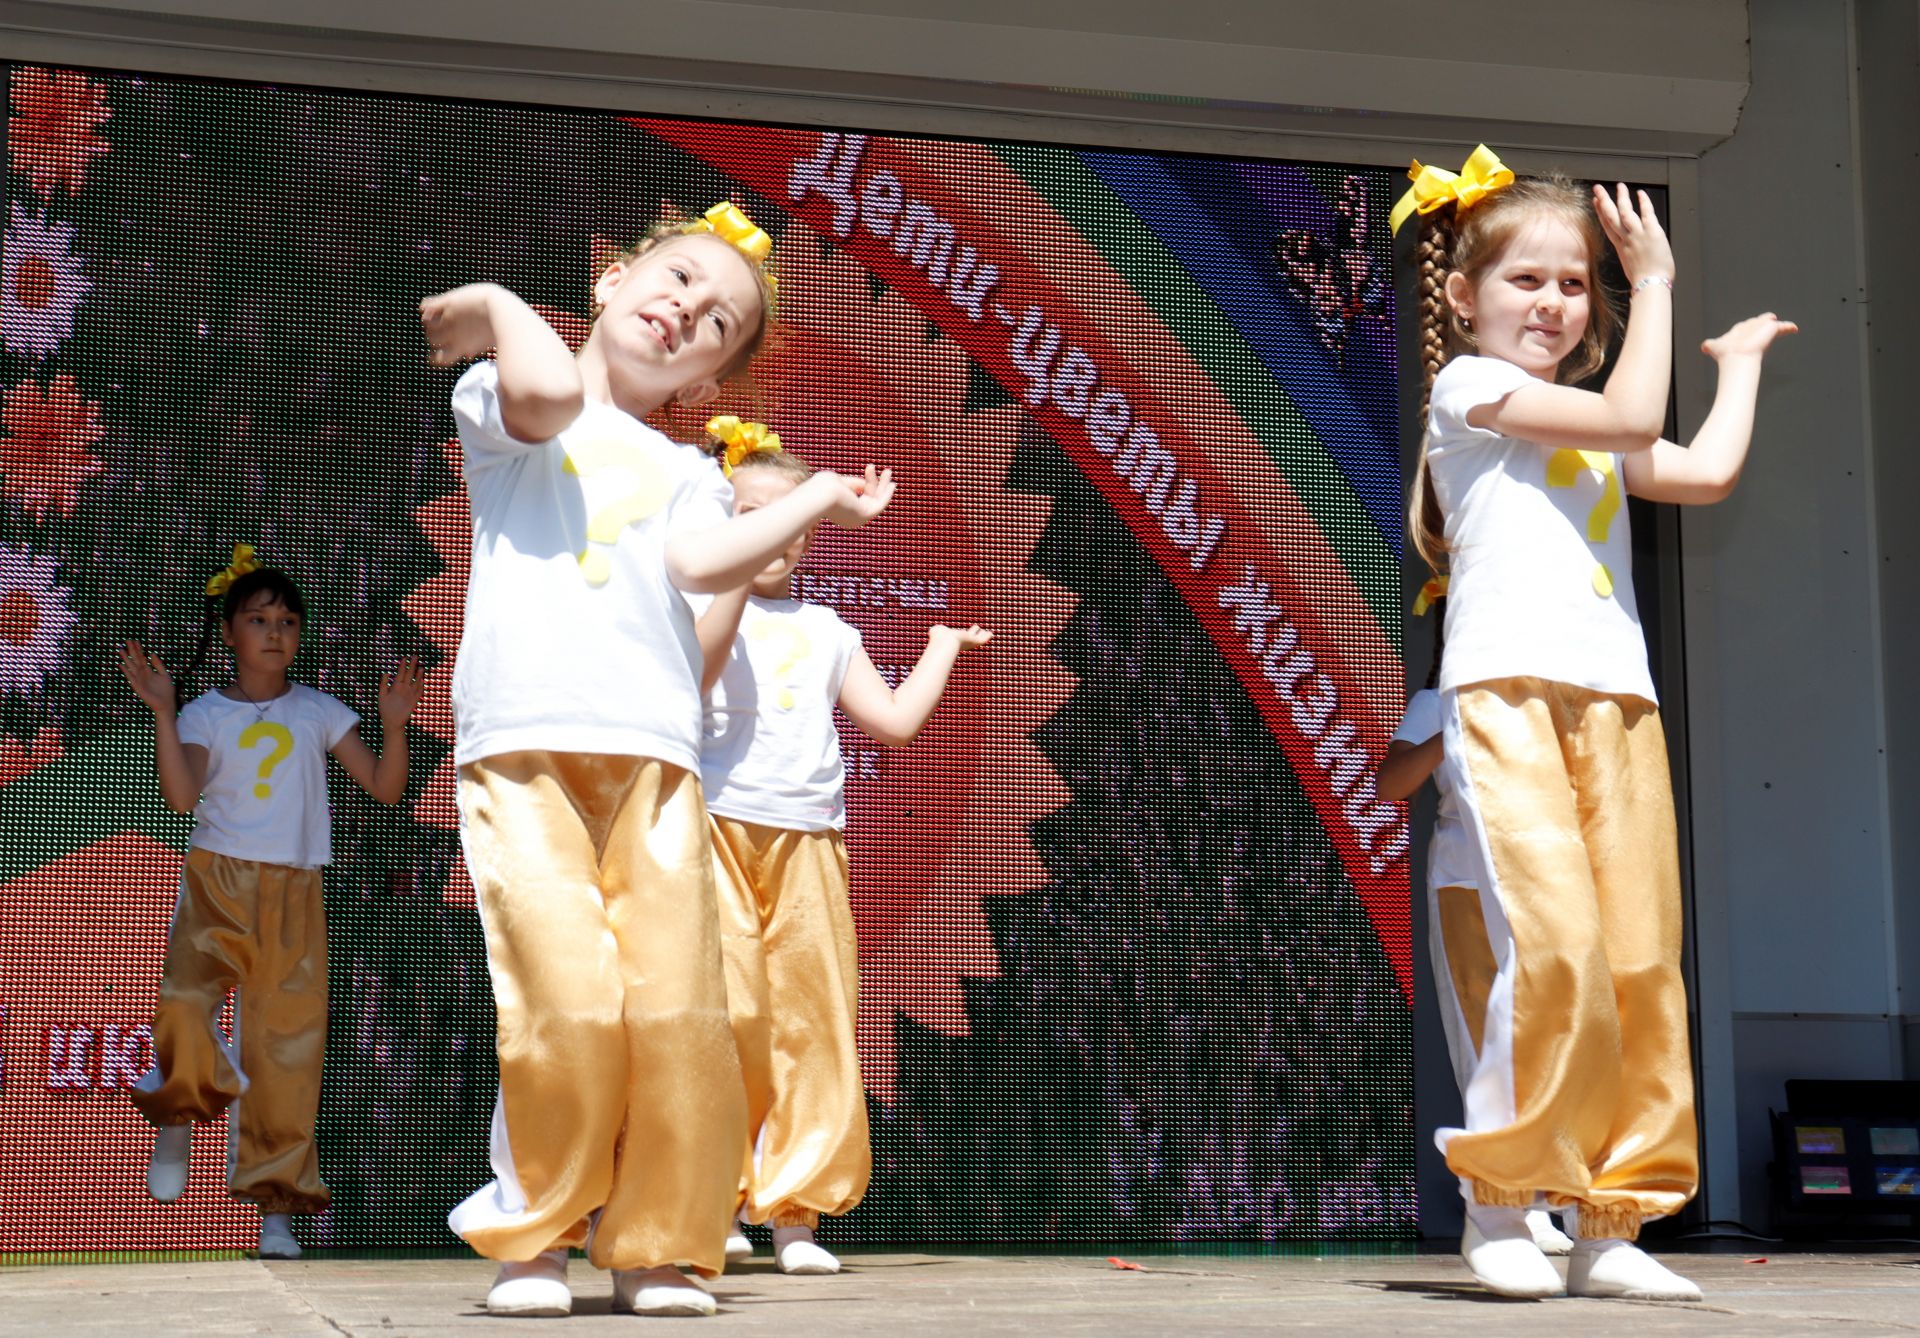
(1550, 1238)
(739, 1248)
(1500, 1253)
(172, 1158)
(1619, 1268)
(661, 1291)
(794, 1251)
(535, 1289)
(276, 1237)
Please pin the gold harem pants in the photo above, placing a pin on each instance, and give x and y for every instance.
(793, 972)
(1582, 1085)
(620, 1114)
(259, 930)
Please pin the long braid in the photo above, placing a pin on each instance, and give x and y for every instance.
(1425, 522)
(181, 679)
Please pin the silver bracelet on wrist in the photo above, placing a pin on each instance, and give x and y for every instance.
(1651, 280)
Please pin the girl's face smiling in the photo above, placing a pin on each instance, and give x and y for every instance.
(1531, 305)
(264, 634)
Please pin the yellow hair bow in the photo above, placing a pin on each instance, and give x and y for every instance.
(243, 562)
(741, 439)
(1435, 188)
(729, 223)
(1434, 589)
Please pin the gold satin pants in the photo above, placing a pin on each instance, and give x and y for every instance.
(620, 1114)
(1582, 1087)
(793, 971)
(260, 930)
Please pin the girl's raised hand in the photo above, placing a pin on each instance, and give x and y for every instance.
(858, 500)
(1636, 234)
(966, 638)
(148, 677)
(400, 692)
(1751, 338)
(458, 324)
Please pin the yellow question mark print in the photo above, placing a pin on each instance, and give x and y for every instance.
(796, 650)
(645, 493)
(1563, 468)
(282, 746)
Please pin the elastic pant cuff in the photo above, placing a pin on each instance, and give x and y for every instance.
(795, 1217)
(284, 1203)
(1608, 1221)
(1494, 1196)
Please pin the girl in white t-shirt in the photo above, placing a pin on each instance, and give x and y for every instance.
(776, 668)
(576, 701)
(249, 762)
(1581, 1089)
(1463, 968)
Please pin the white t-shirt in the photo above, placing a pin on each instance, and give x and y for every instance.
(1541, 555)
(576, 641)
(266, 793)
(1450, 861)
(771, 754)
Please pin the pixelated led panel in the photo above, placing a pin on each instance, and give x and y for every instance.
(1133, 923)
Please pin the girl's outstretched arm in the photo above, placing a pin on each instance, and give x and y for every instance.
(1628, 415)
(181, 767)
(731, 554)
(716, 629)
(385, 777)
(893, 716)
(1407, 767)
(1706, 468)
(540, 386)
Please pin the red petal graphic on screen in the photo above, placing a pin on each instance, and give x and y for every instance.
(435, 606)
(46, 441)
(54, 131)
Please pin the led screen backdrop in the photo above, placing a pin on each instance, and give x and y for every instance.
(1133, 923)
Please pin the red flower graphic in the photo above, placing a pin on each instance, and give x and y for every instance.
(54, 130)
(46, 438)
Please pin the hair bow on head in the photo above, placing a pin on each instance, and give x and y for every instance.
(741, 439)
(243, 562)
(1435, 589)
(730, 224)
(1435, 188)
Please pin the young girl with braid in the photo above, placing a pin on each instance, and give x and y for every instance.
(1581, 1088)
(576, 701)
(775, 790)
(249, 761)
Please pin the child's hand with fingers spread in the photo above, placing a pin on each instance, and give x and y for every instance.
(963, 638)
(458, 324)
(1636, 234)
(148, 677)
(1751, 338)
(400, 693)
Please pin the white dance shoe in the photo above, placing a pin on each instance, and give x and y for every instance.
(536, 1289)
(1619, 1268)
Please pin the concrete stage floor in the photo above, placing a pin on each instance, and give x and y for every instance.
(956, 1295)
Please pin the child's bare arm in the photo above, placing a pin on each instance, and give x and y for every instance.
(731, 554)
(181, 767)
(540, 386)
(716, 629)
(893, 716)
(1706, 468)
(1407, 767)
(385, 776)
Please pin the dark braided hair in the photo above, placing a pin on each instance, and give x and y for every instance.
(223, 609)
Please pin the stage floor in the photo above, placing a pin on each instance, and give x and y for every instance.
(955, 1295)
